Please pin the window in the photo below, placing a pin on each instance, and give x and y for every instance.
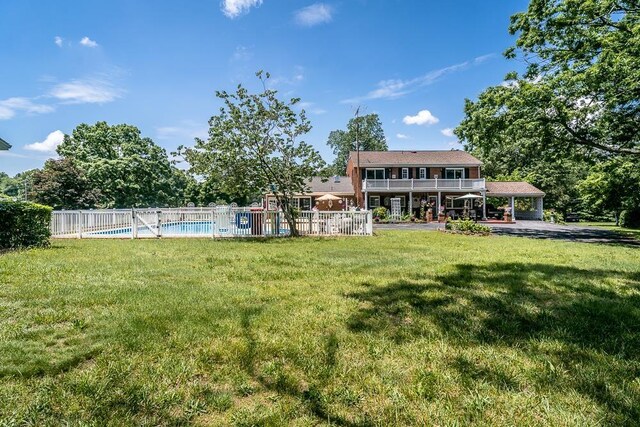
(454, 173)
(453, 202)
(374, 201)
(375, 174)
(405, 173)
(423, 173)
(304, 203)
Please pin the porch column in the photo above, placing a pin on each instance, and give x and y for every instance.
(539, 209)
(438, 203)
(410, 202)
(513, 208)
(484, 205)
(366, 200)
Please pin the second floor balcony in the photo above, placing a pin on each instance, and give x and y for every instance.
(423, 184)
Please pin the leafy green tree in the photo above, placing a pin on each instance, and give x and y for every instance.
(370, 136)
(612, 187)
(62, 185)
(127, 169)
(575, 105)
(8, 186)
(254, 143)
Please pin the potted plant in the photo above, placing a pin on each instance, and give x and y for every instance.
(507, 214)
(441, 215)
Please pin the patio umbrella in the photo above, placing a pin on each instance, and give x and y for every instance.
(469, 196)
(328, 197)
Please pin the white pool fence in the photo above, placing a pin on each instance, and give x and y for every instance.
(219, 221)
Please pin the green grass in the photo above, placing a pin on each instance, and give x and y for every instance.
(403, 328)
(631, 232)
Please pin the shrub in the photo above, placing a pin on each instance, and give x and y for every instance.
(24, 225)
(467, 226)
(557, 216)
(630, 218)
(380, 212)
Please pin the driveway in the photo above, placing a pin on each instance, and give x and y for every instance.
(537, 230)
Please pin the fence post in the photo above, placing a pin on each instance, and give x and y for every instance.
(80, 220)
(159, 223)
(369, 223)
(213, 223)
(134, 224)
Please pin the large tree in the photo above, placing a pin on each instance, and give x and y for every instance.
(577, 102)
(366, 130)
(62, 185)
(127, 169)
(254, 145)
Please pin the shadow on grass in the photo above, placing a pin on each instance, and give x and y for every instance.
(577, 234)
(586, 323)
(276, 378)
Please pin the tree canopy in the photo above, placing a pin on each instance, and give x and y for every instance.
(127, 169)
(255, 144)
(370, 137)
(576, 104)
(62, 185)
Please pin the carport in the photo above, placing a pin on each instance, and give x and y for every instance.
(513, 190)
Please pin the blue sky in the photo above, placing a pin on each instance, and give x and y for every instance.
(156, 65)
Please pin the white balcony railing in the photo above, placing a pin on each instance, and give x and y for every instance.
(423, 184)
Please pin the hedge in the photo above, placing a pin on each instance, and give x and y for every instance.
(630, 218)
(24, 225)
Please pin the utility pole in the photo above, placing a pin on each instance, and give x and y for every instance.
(358, 153)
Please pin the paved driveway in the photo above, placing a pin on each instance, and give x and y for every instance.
(537, 230)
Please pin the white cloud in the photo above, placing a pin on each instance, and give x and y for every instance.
(483, 58)
(402, 136)
(58, 41)
(86, 41)
(396, 88)
(318, 13)
(186, 130)
(447, 132)
(242, 53)
(49, 144)
(318, 111)
(88, 91)
(235, 8)
(11, 106)
(424, 117)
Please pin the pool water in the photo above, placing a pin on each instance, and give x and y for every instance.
(187, 228)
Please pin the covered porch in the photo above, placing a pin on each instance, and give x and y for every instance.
(523, 199)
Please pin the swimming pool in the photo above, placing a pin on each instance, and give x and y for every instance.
(187, 229)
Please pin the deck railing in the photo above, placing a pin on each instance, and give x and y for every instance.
(220, 221)
(423, 184)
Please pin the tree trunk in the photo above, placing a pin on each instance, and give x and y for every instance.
(289, 214)
(291, 220)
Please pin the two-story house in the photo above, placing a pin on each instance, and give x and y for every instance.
(434, 178)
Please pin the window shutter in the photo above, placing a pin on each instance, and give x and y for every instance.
(466, 173)
(428, 173)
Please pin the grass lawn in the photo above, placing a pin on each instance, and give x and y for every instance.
(403, 328)
(632, 232)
